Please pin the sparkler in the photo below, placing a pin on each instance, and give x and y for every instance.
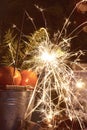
(55, 76)
(57, 95)
(57, 85)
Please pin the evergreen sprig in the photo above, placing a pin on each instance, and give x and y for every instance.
(7, 49)
(26, 50)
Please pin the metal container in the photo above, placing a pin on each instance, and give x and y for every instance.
(13, 104)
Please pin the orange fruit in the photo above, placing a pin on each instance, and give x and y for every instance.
(9, 76)
(29, 77)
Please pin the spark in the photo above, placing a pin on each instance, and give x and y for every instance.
(31, 19)
(55, 76)
(80, 84)
(57, 96)
(47, 57)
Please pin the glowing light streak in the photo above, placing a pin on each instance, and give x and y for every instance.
(55, 76)
(56, 96)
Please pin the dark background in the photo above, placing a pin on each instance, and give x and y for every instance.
(11, 12)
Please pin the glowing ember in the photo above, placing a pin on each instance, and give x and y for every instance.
(80, 84)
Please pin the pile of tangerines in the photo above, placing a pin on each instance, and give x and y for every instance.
(10, 75)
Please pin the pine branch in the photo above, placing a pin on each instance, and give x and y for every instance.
(27, 47)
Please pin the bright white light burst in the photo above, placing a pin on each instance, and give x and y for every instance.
(57, 96)
(48, 57)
